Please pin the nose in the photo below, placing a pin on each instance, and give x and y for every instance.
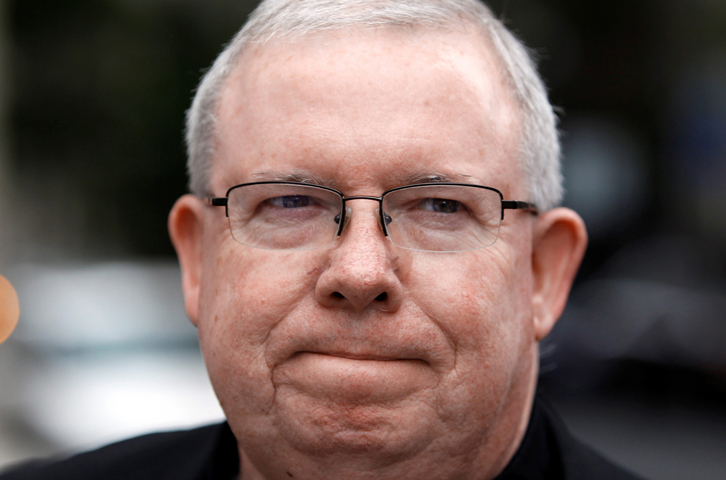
(364, 271)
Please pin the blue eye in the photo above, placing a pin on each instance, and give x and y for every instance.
(440, 205)
(290, 201)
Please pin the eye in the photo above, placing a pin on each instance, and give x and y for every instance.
(440, 205)
(290, 201)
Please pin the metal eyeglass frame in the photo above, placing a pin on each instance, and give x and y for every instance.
(342, 220)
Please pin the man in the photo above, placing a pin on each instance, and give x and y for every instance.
(371, 254)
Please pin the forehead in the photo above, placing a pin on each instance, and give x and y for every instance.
(368, 108)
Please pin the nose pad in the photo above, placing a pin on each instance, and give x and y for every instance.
(383, 218)
(348, 214)
(383, 221)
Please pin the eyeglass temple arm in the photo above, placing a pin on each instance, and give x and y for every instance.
(218, 202)
(517, 205)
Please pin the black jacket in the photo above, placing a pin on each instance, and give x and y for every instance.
(547, 452)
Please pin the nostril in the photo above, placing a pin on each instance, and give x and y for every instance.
(338, 295)
(382, 297)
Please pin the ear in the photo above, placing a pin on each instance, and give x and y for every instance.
(559, 243)
(185, 229)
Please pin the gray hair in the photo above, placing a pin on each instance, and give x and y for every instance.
(277, 19)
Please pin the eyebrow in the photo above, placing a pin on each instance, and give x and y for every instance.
(434, 177)
(296, 176)
(302, 176)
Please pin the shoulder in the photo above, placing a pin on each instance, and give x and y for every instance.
(579, 461)
(179, 455)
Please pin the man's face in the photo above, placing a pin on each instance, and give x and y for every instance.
(362, 350)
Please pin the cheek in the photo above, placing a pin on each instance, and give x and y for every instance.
(478, 300)
(480, 303)
(245, 296)
(250, 290)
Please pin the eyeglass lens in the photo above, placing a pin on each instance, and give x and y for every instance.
(441, 218)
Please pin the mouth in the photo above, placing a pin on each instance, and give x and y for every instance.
(353, 378)
(403, 341)
(372, 357)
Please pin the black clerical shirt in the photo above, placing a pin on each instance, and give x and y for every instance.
(547, 452)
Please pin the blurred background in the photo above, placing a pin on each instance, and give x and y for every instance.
(92, 101)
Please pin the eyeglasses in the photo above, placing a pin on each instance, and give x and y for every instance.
(440, 217)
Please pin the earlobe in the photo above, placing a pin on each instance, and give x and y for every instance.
(559, 243)
(185, 229)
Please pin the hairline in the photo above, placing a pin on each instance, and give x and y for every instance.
(493, 32)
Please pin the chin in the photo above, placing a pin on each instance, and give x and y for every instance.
(388, 434)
